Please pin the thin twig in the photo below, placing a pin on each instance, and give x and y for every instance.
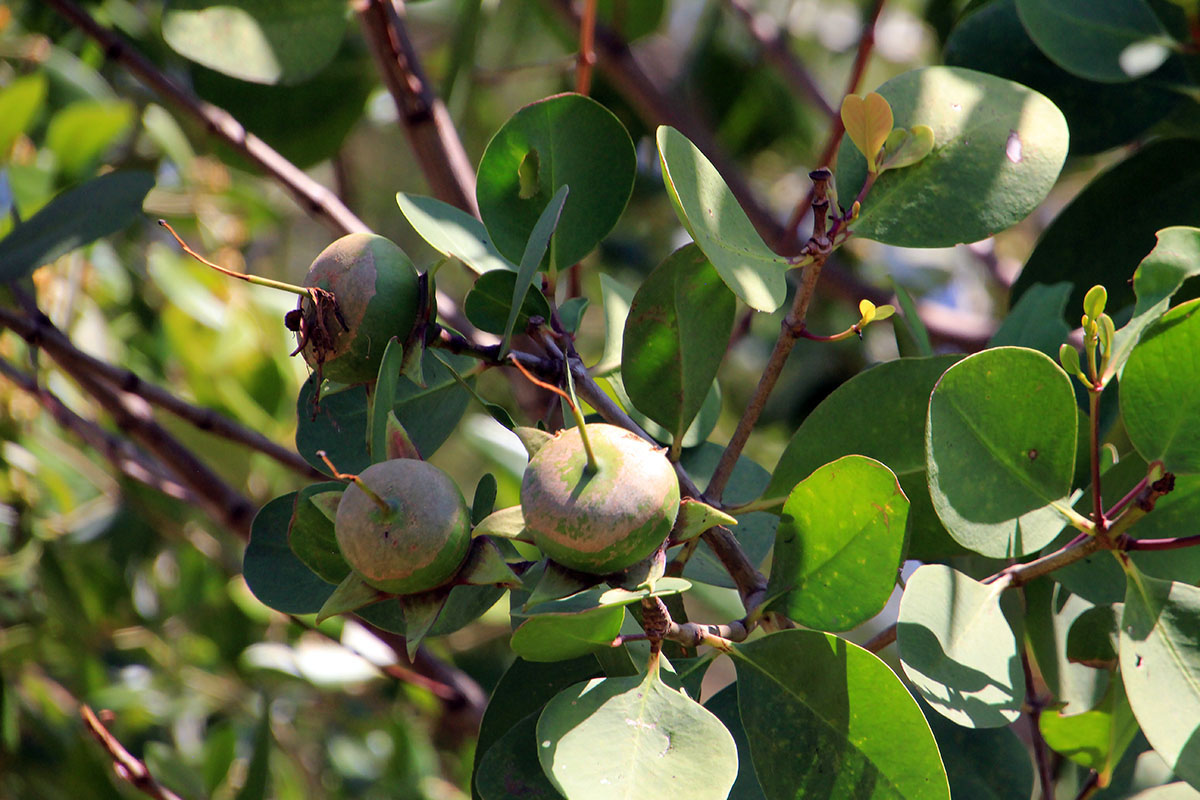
(586, 59)
(314, 198)
(1173, 543)
(1090, 786)
(396, 671)
(790, 236)
(1041, 753)
(819, 248)
(772, 38)
(656, 107)
(426, 121)
(121, 453)
(133, 415)
(128, 767)
(42, 332)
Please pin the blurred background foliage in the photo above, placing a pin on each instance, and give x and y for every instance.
(115, 595)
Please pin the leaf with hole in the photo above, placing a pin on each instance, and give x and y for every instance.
(578, 143)
(998, 149)
(1160, 665)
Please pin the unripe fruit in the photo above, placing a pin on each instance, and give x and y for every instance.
(375, 287)
(605, 521)
(420, 542)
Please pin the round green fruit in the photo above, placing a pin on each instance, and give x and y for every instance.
(605, 521)
(374, 285)
(420, 542)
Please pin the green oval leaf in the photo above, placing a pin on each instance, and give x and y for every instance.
(719, 226)
(430, 413)
(839, 545)
(1174, 259)
(81, 133)
(311, 536)
(829, 719)
(1000, 450)
(525, 686)
(1097, 738)
(337, 424)
(1165, 177)
(20, 101)
(274, 574)
(724, 706)
(1160, 665)
(262, 41)
(675, 338)
(559, 636)
(510, 767)
(99, 207)
(1160, 391)
(453, 233)
(634, 737)
(539, 239)
(579, 143)
(488, 303)
(998, 148)
(848, 422)
(1109, 41)
(982, 763)
(958, 649)
(1100, 115)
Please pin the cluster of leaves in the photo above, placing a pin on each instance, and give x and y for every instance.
(1044, 518)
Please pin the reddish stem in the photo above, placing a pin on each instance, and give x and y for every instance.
(587, 48)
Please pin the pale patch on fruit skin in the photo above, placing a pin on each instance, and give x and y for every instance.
(375, 285)
(417, 547)
(607, 521)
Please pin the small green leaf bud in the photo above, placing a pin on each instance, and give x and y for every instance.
(1068, 356)
(1094, 300)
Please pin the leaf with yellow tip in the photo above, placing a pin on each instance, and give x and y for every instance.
(868, 122)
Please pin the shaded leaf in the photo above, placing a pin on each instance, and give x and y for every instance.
(957, 648)
(1165, 175)
(274, 574)
(675, 337)
(93, 209)
(489, 302)
(257, 40)
(311, 534)
(1109, 42)
(1100, 115)
(1036, 320)
(1160, 391)
(336, 425)
(829, 719)
(1095, 739)
(848, 421)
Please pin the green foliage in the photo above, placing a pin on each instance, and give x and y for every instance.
(1024, 533)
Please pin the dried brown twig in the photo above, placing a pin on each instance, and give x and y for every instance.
(128, 767)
